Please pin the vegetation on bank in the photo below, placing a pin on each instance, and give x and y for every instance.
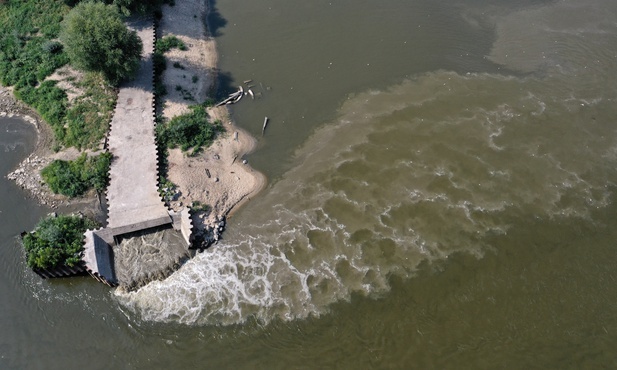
(30, 52)
(190, 132)
(75, 178)
(167, 43)
(167, 189)
(28, 49)
(56, 241)
(198, 206)
(94, 41)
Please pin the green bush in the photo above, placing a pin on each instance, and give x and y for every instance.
(127, 7)
(75, 178)
(96, 39)
(131, 6)
(189, 131)
(159, 62)
(56, 241)
(167, 43)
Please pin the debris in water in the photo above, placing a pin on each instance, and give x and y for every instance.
(233, 98)
(263, 129)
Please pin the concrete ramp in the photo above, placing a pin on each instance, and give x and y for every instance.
(132, 194)
(133, 201)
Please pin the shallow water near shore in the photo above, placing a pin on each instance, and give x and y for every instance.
(442, 196)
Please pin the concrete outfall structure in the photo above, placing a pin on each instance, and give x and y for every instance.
(133, 200)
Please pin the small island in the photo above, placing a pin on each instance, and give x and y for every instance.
(128, 134)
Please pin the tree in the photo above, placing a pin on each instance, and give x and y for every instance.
(95, 39)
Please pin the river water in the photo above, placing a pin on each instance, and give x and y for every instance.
(442, 195)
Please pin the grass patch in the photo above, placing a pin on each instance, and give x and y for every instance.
(197, 206)
(75, 178)
(56, 241)
(87, 120)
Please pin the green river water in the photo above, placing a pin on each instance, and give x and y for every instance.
(442, 195)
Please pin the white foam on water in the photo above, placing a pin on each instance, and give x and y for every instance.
(306, 254)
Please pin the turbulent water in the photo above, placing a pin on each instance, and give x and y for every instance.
(148, 255)
(442, 195)
(439, 163)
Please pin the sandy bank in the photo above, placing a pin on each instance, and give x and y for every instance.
(217, 177)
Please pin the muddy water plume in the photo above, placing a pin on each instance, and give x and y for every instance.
(434, 166)
(441, 163)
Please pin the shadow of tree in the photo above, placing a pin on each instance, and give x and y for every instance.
(190, 76)
(214, 20)
(224, 86)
